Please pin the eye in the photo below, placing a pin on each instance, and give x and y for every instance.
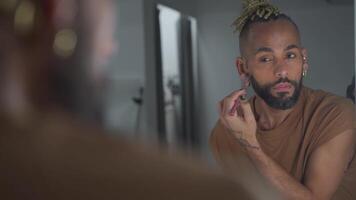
(265, 59)
(291, 55)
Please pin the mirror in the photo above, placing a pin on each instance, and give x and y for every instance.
(176, 72)
(327, 29)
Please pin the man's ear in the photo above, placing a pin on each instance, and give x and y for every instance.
(241, 66)
(243, 72)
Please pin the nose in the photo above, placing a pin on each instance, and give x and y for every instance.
(281, 70)
(282, 74)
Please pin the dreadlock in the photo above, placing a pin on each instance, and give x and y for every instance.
(258, 11)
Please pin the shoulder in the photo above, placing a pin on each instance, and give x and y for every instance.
(326, 102)
(327, 115)
(324, 96)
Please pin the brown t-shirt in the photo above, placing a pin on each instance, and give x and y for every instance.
(317, 117)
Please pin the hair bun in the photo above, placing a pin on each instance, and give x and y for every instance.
(254, 9)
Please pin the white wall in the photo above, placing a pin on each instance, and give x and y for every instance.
(134, 66)
(328, 34)
(127, 69)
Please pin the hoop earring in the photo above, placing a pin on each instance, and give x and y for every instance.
(247, 83)
(65, 43)
(304, 73)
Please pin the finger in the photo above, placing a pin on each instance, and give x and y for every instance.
(222, 120)
(247, 111)
(240, 112)
(223, 107)
(233, 110)
(226, 122)
(228, 107)
(231, 102)
(236, 94)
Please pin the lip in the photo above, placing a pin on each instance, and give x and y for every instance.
(282, 87)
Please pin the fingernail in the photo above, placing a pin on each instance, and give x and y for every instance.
(233, 109)
(243, 97)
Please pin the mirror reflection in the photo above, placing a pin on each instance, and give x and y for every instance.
(330, 57)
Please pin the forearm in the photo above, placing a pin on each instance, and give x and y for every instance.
(288, 187)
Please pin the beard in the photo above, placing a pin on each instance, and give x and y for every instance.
(281, 102)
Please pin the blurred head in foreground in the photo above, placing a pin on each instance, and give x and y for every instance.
(53, 54)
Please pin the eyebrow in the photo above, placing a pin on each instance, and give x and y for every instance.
(292, 46)
(263, 49)
(267, 49)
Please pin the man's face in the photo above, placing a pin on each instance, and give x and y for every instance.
(274, 63)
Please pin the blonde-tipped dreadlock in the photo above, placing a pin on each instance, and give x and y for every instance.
(253, 9)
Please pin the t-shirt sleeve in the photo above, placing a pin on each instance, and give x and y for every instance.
(334, 117)
(232, 160)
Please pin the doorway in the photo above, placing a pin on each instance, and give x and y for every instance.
(177, 77)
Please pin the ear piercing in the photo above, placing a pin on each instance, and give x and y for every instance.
(304, 73)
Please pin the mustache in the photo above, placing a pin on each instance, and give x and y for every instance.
(283, 80)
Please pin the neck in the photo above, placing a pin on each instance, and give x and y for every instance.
(269, 118)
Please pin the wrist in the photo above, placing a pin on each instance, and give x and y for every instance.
(254, 149)
(249, 144)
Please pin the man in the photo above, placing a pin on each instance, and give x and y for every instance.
(300, 141)
(47, 150)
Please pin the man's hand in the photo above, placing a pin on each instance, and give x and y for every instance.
(237, 116)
